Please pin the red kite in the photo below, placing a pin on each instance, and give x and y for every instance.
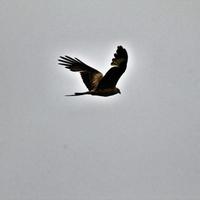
(94, 80)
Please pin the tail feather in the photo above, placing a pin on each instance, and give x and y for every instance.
(78, 94)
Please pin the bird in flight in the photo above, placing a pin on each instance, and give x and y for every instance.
(94, 80)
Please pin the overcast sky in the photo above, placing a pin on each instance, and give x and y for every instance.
(141, 145)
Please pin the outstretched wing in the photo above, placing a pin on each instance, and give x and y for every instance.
(90, 76)
(112, 76)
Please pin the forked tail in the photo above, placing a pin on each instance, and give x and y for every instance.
(77, 94)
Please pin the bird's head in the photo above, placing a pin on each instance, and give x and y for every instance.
(118, 90)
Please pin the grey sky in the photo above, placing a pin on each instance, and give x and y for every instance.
(142, 144)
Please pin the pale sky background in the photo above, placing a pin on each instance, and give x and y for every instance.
(141, 145)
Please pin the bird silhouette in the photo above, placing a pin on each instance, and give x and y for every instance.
(94, 80)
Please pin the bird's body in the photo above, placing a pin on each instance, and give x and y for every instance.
(96, 83)
(99, 92)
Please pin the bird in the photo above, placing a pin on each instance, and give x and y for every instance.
(96, 83)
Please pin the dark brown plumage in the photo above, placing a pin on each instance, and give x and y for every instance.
(94, 80)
